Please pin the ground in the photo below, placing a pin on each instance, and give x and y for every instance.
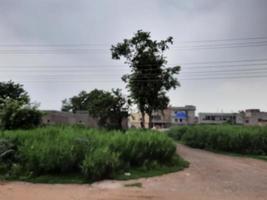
(210, 176)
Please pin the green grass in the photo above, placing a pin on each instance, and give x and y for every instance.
(78, 155)
(51, 179)
(249, 141)
(137, 173)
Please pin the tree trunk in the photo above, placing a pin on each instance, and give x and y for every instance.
(142, 120)
(150, 124)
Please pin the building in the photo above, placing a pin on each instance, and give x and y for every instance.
(135, 120)
(81, 117)
(183, 115)
(217, 118)
(169, 117)
(252, 117)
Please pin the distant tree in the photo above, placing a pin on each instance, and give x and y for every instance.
(13, 91)
(149, 79)
(16, 112)
(108, 107)
(76, 103)
(15, 116)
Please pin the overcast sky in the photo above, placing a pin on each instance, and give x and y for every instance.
(57, 48)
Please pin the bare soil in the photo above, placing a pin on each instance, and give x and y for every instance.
(210, 176)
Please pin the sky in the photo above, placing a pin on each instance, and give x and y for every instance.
(56, 48)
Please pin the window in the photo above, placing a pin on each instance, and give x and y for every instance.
(181, 120)
(156, 117)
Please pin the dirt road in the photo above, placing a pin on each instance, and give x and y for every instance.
(209, 177)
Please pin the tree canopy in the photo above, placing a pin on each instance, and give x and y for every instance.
(149, 79)
(108, 107)
(13, 91)
(16, 112)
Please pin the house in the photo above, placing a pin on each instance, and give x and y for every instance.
(167, 118)
(252, 117)
(217, 118)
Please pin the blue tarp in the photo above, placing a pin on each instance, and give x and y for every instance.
(181, 115)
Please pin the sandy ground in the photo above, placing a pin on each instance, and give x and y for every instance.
(210, 177)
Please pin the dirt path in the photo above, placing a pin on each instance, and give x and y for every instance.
(210, 176)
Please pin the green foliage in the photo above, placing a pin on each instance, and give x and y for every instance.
(108, 107)
(15, 109)
(95, 154)
(136, 149)
(101, 163)
(15, 117)
(7, 150)
(149, 79)
(228, 138)
(12, 91)
(177, 132)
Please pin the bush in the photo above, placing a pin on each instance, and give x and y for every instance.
(137, 148)
(7, 151)
(95, 154)
(14, 117)
(177, 132)
(229, 138)
(101, 163)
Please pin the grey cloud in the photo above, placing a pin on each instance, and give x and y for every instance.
(107, 22)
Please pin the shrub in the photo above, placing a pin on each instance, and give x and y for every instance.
(95, 154)
(53, 152)
(14, 117)
(177, 132)
(7, 151)
(238, 139)
(101, 163)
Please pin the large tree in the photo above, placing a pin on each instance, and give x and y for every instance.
(149, 79)
(110, 108)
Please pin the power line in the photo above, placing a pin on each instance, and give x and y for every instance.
(88, 68)
(98, 50)
(183, 79)
(256, 38)
(244, 62)
(226, 39)
(75, 72)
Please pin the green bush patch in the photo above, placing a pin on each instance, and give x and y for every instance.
(39, 154)
(244, 140)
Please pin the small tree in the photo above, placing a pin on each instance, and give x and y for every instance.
(13, 91)
(110, 108)
(149, 79)
(14, 116)
(15, 109)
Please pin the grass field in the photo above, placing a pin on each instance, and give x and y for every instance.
(78, 155)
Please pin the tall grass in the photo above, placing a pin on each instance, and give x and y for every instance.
(228, 138)
(96, 154)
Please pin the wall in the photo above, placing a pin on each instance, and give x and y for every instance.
(82, 118)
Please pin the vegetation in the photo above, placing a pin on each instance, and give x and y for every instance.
(13, 91)
(16, 112)
(108, 107)
(226, 138)
(149, 79)
(85, 153)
